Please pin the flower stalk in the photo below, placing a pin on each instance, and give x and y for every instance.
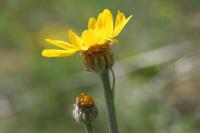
(109, 100)
(89, 128)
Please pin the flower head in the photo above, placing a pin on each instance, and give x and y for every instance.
(98, 58)
(100, 31)
(85, 110)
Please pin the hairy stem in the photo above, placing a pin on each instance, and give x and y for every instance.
(109, 99)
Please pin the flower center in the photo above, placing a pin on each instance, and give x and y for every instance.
(84, 100)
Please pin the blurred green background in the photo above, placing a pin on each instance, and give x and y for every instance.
(157, 66)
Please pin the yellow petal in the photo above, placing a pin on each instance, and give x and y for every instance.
(91, 23)
(57, 53)
(120, 26)
(108, 21)
(75, 40)
(89, 38)
(100, 21)
(120, 17)
(60, 44)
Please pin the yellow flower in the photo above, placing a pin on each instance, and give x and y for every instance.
(100, 31)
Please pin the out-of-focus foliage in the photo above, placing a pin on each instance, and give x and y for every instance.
(157, 66)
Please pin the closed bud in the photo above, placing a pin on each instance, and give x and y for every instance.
(85, 110)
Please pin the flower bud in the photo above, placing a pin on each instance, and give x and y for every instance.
(98, 58)
(85, 110)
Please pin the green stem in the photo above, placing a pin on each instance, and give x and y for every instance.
(109, 99)
(113, 83)
(89, 128)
